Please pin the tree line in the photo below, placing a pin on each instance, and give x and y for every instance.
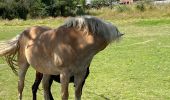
(23, 9)
(10, 9)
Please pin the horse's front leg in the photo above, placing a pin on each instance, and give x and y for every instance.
(23, 67)
(45, 84)
(64, 79)
(50, 83)
(79, 80)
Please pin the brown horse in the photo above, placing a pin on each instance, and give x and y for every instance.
(66, 51)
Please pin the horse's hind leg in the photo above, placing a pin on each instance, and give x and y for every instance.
(23, 67)
(36, 84)
(46, 83)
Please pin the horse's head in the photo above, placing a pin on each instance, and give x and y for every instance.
(113, 31)
(96, 26)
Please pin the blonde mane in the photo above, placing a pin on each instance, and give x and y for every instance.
(94, 25)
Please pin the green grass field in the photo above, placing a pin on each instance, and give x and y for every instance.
(135, 68)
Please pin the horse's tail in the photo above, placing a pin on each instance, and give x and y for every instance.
(9, 49)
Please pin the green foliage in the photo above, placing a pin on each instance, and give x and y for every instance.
(140, 7)
(36, 10)
(13, 10)
(102, 3)
(21, 10)
(40, 8)
(2, 8)
(7, 10)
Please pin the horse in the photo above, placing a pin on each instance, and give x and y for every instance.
(66, 51)
(56, 78)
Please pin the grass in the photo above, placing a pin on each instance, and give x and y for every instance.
(153, 22)
(133, 11)
(136, 68)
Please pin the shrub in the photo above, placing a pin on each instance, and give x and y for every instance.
(140, 6)
(22, 11)
(9, 11)
(13, 10)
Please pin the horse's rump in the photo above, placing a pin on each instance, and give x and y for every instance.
(10, 49)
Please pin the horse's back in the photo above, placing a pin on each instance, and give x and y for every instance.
(56, 50)
(45, 52)
(28, 35)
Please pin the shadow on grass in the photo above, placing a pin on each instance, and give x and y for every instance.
(99, 95)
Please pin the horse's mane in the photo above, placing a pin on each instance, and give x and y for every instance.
(90, 24)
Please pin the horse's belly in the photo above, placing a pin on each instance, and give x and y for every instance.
(46, 69)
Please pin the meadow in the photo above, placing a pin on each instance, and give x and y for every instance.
(137, 67)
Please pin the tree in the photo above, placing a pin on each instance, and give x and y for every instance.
(102, 3)
(40, 8)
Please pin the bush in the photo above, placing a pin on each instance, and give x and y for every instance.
(140, 7)
(9, 12)
(13, 10)
(37, 10)
(22, 11)
(52, 10)
(2, 8)
(40, 8)
(79, 10)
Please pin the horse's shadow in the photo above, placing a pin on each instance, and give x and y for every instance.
(99, 95)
